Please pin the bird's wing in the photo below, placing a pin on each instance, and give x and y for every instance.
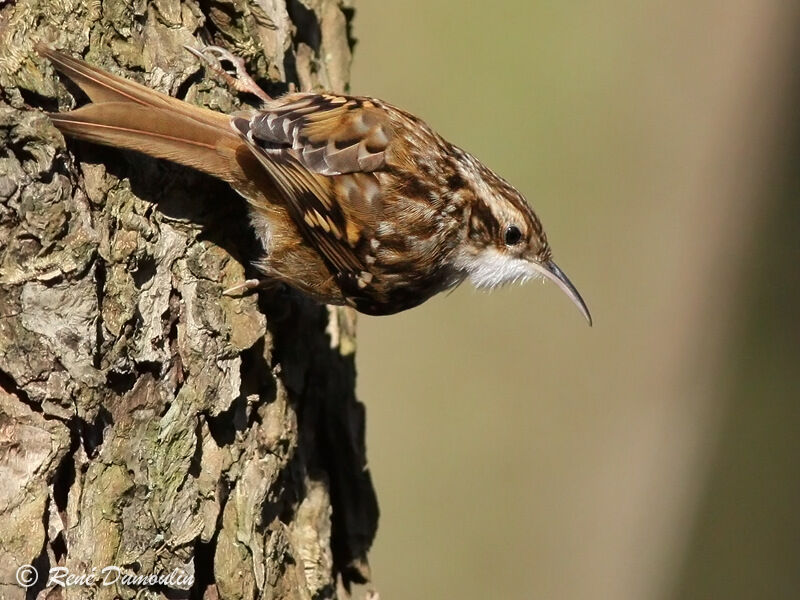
(322, 151)
(326, 134)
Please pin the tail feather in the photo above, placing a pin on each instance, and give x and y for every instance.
(157, 132)
(125, 114)
(102, 87)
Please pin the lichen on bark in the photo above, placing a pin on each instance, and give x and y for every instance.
(147, 421)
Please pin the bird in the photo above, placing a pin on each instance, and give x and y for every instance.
(354, 201)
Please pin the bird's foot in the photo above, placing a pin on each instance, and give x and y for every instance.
(212, 56)
(248, 285)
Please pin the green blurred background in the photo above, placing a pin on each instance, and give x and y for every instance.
(518, 453)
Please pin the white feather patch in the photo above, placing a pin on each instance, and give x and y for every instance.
(491, 268)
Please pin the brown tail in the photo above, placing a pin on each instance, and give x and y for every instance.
(127, 115)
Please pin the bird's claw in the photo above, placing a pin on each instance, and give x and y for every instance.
(240, 289)
(242, 82)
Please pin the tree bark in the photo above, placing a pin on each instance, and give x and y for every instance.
(147, 421)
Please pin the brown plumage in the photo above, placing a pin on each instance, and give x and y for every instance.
(354, 200)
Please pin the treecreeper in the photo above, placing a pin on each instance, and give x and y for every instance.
(355, 202)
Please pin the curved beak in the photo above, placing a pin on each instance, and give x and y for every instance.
(550, 270)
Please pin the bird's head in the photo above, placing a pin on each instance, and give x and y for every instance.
(505, 241)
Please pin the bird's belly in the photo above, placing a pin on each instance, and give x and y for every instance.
(388, 294)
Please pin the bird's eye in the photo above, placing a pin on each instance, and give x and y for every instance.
(513, 235)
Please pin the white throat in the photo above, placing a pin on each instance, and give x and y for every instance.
(491, 268)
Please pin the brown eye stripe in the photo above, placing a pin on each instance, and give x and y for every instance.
(483, 215)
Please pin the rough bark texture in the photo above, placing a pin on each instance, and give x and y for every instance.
(147, 421)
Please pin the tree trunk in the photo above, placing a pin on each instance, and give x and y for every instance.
(149, 423)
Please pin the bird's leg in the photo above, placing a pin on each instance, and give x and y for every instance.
(277, 297)
(248, 285)
(212, 56)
